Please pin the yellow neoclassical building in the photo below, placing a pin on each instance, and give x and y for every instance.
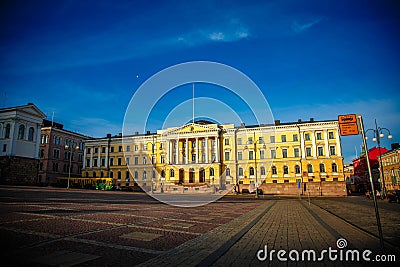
(206, 154)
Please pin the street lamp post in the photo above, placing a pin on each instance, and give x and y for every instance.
(70, 162)
(378, 134)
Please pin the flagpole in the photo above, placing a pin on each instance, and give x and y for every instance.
(193, 102)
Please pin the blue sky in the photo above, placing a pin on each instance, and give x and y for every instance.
(79, 59)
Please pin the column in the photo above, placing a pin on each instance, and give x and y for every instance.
(186, 150)
(197, 150)
(177, 151)
(84, 157)
(168, 146)
(206, 149)
(91, 157)
(216, 149)
(326, 142)
(98, 157)
(314, 145)
(107, 156)
(338, 146)
(303, 150)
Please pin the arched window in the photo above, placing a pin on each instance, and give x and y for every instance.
(7, 131)
(94, 174)
(262, 170)
(228, 172)
(144, 175)
(309, 168)
(321, 167)
(274, 172)
(251, 171)
(211, 171)
(285, 170)
(31, 133)
(171, 173)
(21, 132)
(334, 167)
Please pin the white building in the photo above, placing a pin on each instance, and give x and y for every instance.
(19, 143)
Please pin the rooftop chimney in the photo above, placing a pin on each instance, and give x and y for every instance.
(277, 122)
(311, 119)
(299, 121)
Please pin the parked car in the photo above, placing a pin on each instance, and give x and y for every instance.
(393, 195)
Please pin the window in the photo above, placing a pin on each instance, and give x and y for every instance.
(240, 171)
(261, 140)
(162, 159)
(213, 158)
(272, 139)
(136, 160)
(56, 154)
(136, 175)
(295, 138)
(332, 150)
(111, 161)
(171, 173)
(144, 160)
(321, 167)
(31, 132)
(262, 154)
(307, 137)
(239, 141)
(153, 174)
(334, 167)
(127, 160)
(296, 152)
(119, 161)
(21, 132)
(250, 140)
(211, 171)
(7, 131)
(95, 162)
(5, 149)
(88, 150)
(240, 155)
(297, 169)
(55, 167)
(228, 172)
(251, 154)
(226, 141)
(331, 135)
(144, 175)
(273, 154)
(136, 147)
(112, 149)
(274, 171)
(96, 150)
(308, 152)
(87, 162)
(262, 170)
(103, 149)
(251, 170)
(103, 162)
(194, 157)
(309, 168)
(283, 138)
(226, 155)
(285, 170)
(320, 151)
(128, 148)
(284, 153)
(319, 136)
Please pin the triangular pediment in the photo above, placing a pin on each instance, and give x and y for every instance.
(192, 128)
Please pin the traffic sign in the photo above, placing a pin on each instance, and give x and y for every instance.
(348, 124)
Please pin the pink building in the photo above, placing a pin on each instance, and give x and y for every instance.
(61, 153)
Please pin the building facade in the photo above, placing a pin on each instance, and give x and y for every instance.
(19, 144)
(280, 158)
(391, 167)
(61, 153)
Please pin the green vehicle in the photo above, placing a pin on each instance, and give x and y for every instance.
(103, 184)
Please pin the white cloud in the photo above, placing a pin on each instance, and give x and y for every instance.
(302, 27)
